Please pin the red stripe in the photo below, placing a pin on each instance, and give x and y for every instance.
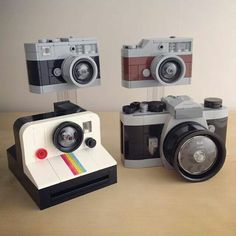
(69, 164)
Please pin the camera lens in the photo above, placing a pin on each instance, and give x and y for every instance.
(196, 153)
(68, 136)
(170, 70)
(79, 71)
(82, 72)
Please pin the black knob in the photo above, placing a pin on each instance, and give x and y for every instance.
(129, 109)
(90, 142)
(213, 102)
(156, 106)
(135, 105)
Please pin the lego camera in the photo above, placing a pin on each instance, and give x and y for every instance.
(176, 133)
(157, 62)
(62, 63)
(58, 155)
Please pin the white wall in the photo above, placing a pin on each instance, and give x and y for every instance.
(210, 22)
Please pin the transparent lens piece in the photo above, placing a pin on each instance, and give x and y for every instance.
(79, 49)
(46, 51)
(180, 47)
(198, 155)
(87, 127)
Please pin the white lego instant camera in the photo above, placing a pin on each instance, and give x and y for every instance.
(59, 155)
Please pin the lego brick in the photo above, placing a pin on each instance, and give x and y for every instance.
(67, 190)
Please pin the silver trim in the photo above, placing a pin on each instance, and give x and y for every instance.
(152, 83)
(150, 47)
(140, 119)
(211, 114)
(142, 163)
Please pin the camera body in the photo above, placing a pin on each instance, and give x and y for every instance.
(157, 62)
(62, 63)
(58, 155)
(176, 133)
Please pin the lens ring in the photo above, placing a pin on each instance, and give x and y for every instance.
(68, 136)
(82, 71)
(170, 70)
(213, 169)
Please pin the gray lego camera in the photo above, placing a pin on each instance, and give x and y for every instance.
(177, 133)
(62, 63)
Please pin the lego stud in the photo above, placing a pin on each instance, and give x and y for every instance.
(57, 72)
(146, 73)
(41, 153)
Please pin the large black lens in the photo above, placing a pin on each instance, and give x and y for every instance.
(68, 136)
(196, 153)
(170, 70)
(83, 71)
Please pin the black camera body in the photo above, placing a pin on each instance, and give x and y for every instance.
(62, 63)
(176, 133)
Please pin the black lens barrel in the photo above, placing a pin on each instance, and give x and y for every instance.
(179, 135)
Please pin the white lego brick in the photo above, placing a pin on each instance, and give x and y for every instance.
(60, 168)
(42, 174)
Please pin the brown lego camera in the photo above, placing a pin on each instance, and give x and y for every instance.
(157, 62)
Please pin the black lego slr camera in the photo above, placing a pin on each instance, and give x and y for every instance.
(176, 133)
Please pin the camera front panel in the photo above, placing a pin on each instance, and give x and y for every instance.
(141, 142)
(41, 135)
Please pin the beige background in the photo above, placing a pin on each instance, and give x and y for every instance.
(211, 23)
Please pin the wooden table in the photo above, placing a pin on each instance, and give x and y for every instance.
(150, 201)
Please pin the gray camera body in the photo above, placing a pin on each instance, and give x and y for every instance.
(153, 133)
(62, 63)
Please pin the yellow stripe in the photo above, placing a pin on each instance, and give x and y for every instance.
(78, 164)
(74, 163)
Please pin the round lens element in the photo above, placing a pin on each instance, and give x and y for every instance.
(197, 155)
(82, 72)
(68, 136)
(168, 69)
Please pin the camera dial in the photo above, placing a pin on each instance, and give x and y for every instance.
(168, 69)
(68, 136)
(79, 70)
(90, 142)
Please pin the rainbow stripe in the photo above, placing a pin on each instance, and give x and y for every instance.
(73, 163)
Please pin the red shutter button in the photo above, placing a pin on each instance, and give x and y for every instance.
(41, 153)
